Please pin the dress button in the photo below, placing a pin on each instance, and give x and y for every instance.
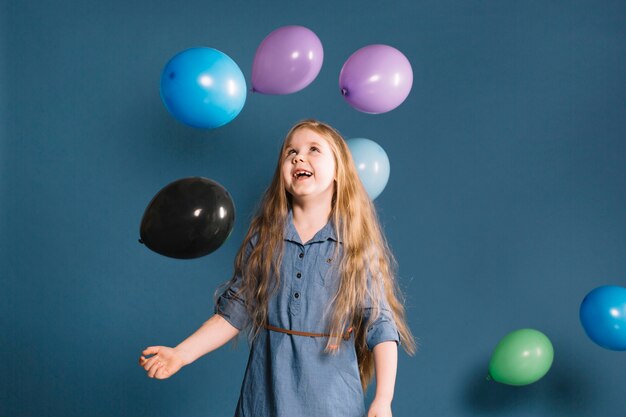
(298, 275)
(297, 295)
(301, 255)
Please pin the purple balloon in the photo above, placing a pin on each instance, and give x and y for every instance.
(376, 79)
(287, 60)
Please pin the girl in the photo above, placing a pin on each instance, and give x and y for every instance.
(314, 286)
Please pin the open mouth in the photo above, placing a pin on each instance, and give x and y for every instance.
(302, 174)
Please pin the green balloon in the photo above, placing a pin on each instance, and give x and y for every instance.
(521, 358)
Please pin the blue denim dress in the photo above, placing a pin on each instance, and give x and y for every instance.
(289, 375)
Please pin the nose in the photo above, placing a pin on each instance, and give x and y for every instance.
(297, 158)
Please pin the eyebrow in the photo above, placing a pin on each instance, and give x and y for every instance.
(311, 144)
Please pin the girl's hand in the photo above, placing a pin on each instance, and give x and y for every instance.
(379, 408)
(165, 362)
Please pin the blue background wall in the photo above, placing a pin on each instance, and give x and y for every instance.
(506, 202)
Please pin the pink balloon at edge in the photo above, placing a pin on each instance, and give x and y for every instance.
(286, 61)
(376, 79)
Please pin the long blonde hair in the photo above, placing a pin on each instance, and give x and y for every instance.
(365, 253)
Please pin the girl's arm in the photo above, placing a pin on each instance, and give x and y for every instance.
(386, 364)
(213, 334)
(166, 361)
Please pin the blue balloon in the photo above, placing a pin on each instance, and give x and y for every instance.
(603, 316)
(372, 164)
(203, 87)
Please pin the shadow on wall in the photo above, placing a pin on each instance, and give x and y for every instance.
(563, 391)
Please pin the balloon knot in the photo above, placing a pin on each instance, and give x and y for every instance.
(140, 241)
(344, 92)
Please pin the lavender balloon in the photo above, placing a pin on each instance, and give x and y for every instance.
(376, 79)
(287, 60)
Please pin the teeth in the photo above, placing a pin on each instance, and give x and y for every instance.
(298, 173)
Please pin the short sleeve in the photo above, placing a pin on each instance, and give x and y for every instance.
(383, 328)
(231, 305)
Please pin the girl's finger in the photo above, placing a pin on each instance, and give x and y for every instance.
(161, 373)
(151, 363)
(154, 369)
(151, 350)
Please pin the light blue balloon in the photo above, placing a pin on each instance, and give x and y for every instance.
(203, 87)
(372, 164)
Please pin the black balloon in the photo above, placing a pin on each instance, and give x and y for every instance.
(188, 218)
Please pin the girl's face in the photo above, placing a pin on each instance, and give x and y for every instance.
(308, 166)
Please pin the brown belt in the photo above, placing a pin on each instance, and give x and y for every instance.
(346, 335)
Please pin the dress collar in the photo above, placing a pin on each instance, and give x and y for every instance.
(322, 235)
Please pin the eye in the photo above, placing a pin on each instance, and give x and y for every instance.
(314, 148)
(289, 151)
